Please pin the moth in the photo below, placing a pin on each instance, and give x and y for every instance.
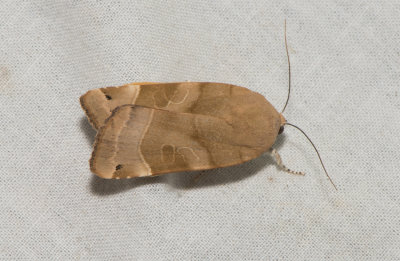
(149, 129)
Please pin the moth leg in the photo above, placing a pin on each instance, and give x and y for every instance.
(273, 152)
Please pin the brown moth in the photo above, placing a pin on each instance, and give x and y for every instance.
(148, 129)
(172, 127)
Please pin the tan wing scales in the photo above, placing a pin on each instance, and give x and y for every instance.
(137, 141)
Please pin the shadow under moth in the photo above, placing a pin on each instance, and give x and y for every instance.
(149, 129)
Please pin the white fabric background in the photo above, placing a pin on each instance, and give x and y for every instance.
(345, 59)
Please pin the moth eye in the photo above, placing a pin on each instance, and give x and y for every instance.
(108, 97)
(281, 129)
(118, 167)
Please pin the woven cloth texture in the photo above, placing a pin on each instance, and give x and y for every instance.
(345, 58)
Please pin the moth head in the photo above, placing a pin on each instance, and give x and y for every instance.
(282, 123)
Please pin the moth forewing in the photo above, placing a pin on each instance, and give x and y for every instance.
(206, 98)
(138, 141)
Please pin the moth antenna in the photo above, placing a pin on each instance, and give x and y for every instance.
(290, 74)
(319, 156)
